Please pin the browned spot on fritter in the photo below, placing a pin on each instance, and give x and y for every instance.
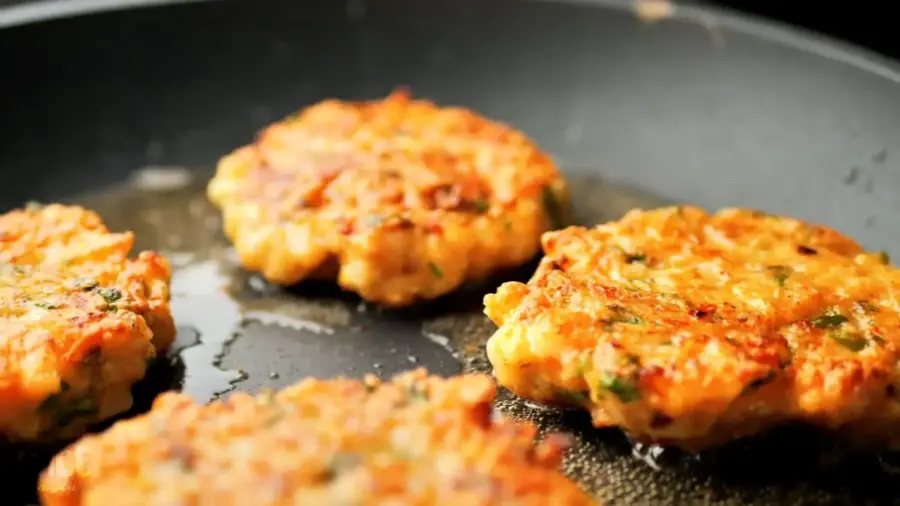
(720, 325)
(413, 440)
(408, 199)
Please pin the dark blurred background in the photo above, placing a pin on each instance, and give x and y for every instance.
(858, 22)
(861, 22)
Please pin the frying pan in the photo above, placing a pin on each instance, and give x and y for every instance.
(127, 112)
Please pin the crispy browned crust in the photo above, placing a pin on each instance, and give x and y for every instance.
(397, 199)
(415, 440)
(78, 321)
(691, 329)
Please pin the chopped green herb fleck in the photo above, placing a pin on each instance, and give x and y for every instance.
(418, 393)
(758, 383)
(634, 320)
(65, 410)
(621, 388)
(634, 258)
(620, 315)
(19, 269)
(435, 270)
(867, 306)
(573, 398)
(374, 221)
(780, 273)
(507, 225)
(45, 305)
(878, 339)
(553, 208)
(852, 342)
(883, 257)
(65, 415)
(481, 205)
(110, 294)
(828, 321)
(85, 284)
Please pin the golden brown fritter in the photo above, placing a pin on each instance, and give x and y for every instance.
(416, 440)
(691, 329)
(79, 321)
(398, 199)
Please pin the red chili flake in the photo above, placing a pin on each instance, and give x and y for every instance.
(703, 311)
(346, 227)
(612, 292)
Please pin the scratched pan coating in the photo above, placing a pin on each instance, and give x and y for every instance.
(701, 107)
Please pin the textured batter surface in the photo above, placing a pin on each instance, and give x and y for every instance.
(79, 321)
(691, 329)
(415, 440)
(398, 199)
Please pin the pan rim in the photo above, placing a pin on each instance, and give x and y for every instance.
(28, 12)
(799, 38)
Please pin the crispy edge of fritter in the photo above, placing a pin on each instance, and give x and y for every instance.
(421, 256)
(107, 352)
(767, 388)
(522, 467)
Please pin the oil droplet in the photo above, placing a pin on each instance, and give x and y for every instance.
(442, 341)
(464, 335)
(281, 320)
(161, 178)
(537, 406)
(648, 454)
(261, 286)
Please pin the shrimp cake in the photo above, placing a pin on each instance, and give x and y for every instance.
(79, 322)
(414, 440)
(689, 329)
(397, 199)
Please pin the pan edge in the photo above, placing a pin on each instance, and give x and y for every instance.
(30, 12)
(772, 30)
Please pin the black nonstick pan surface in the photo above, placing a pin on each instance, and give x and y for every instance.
(128, 111)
